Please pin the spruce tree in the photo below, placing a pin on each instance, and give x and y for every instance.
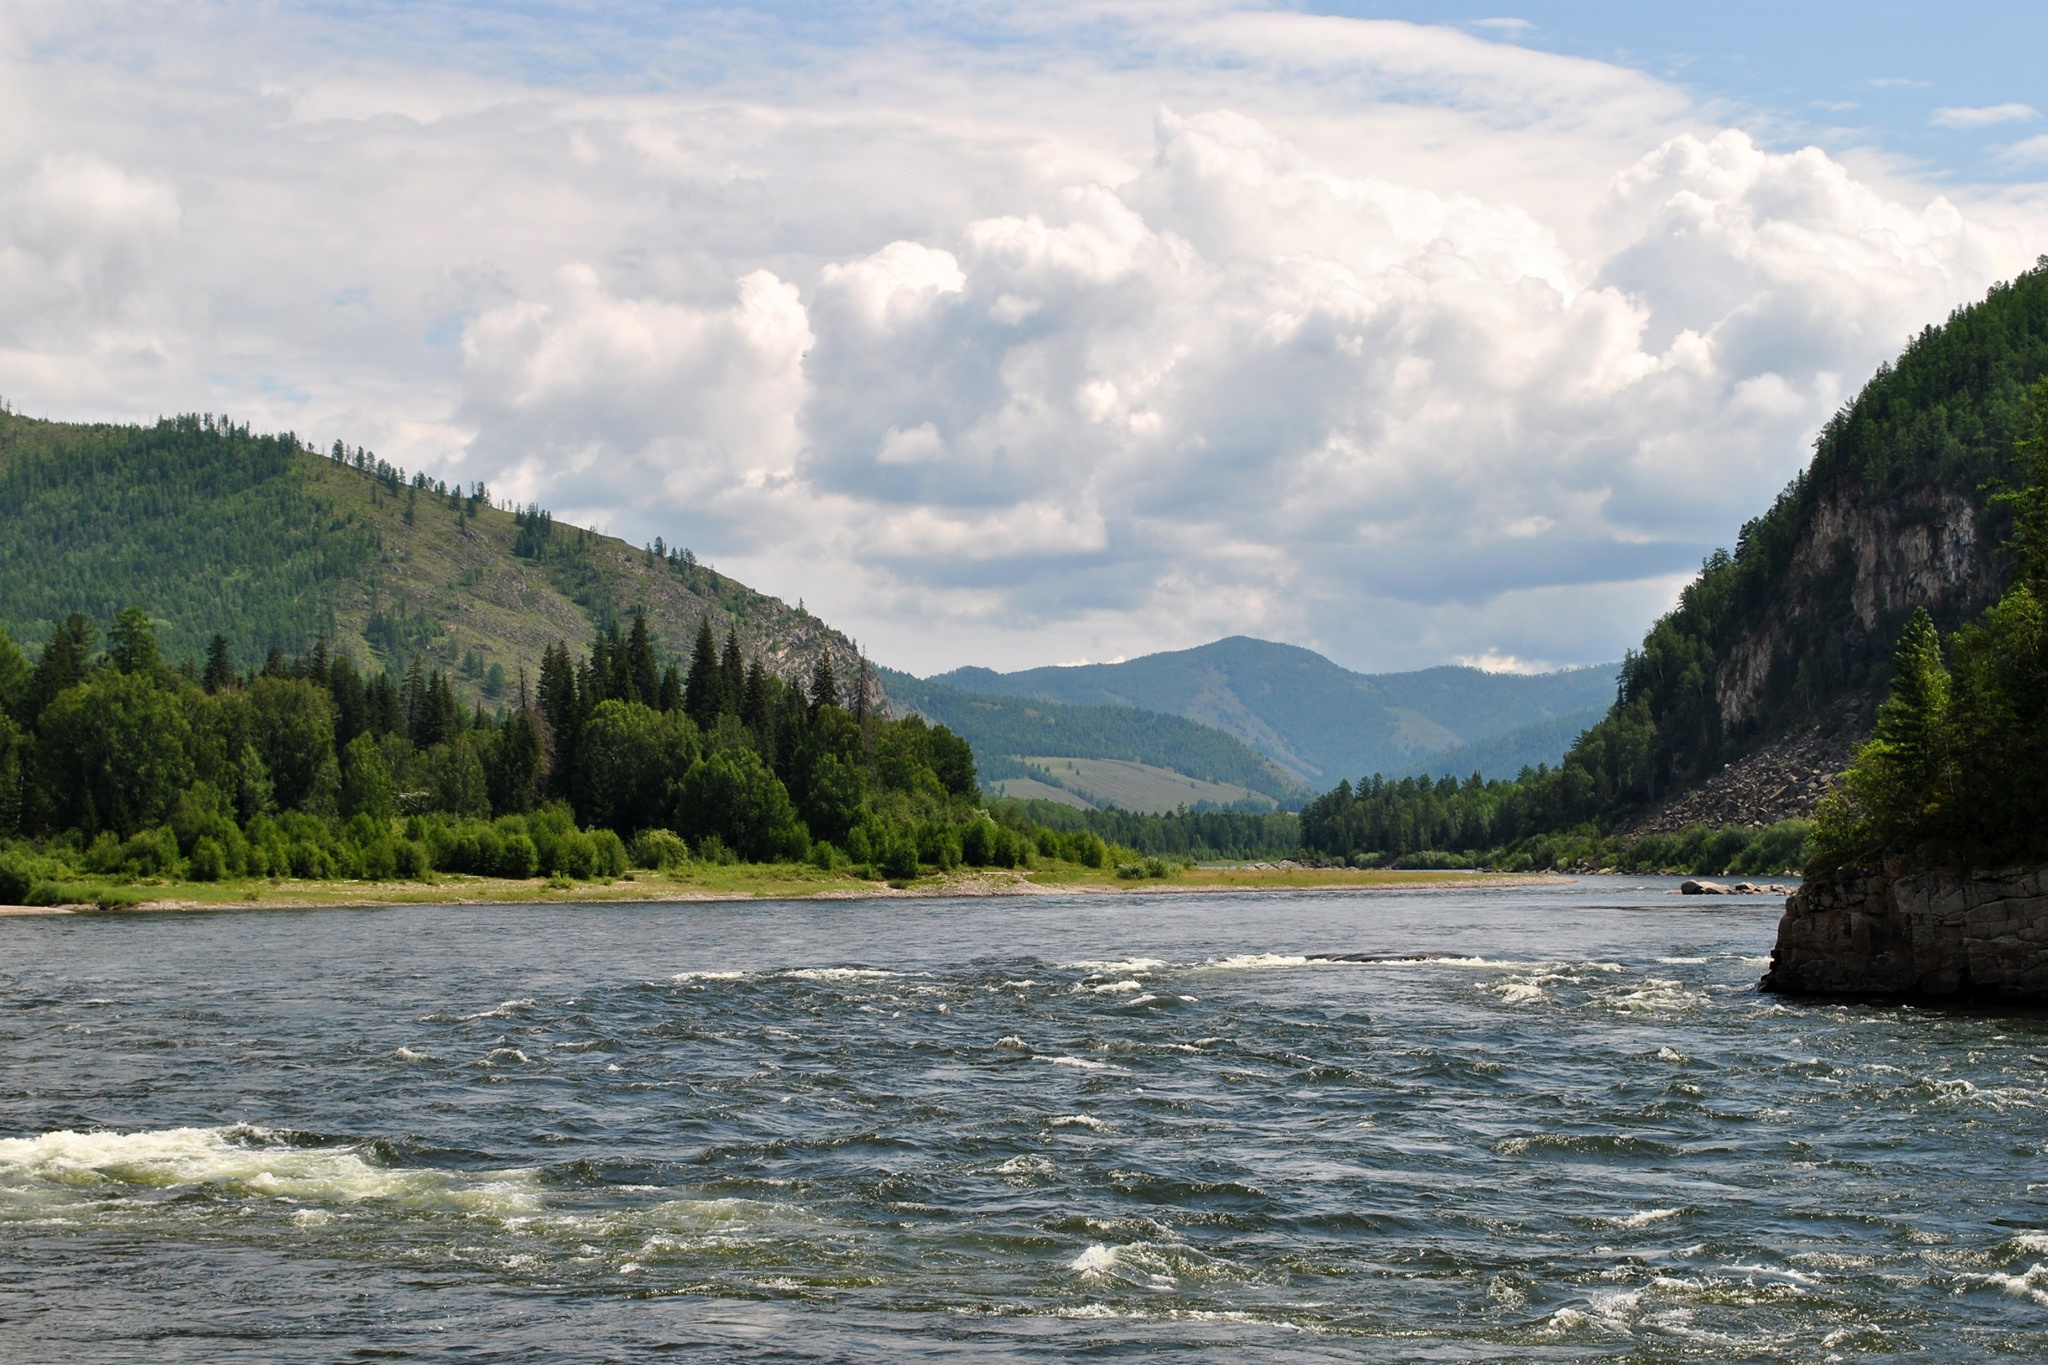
(732, 676)
(670, 698)
(220, 668)
(641, 668)
(131, 644)
(65, 662)
(700, 689)
(824, 686)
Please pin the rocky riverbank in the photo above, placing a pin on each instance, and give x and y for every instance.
(1888, 931)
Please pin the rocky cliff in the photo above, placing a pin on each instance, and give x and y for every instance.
(1888, 931)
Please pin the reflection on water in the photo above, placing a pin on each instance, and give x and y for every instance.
(1545, 1123)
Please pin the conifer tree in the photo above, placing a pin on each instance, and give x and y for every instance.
(700, 689)
(641, 669)
(131, 644)
(220, 668)
(65, 662)
(824, 687)
(732, 676)
(563, 711)
(670, 697)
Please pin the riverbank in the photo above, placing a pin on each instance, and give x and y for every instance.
(775, 881)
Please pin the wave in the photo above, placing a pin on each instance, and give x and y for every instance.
(240, 1159)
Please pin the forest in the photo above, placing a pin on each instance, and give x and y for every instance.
(1953, 775)
(115, 763)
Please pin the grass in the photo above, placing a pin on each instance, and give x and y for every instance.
(713, 881)
(1142, 787)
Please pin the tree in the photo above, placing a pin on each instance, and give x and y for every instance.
(113, 754)
(732, 795)
(220, 667)
(640, 665)
(65, 662)
(366, 785)
(562, 708)
(515, 768)
(290, 724)
(15, 678)
(632, 756)
(701, 688)
(131, 644)
(732, 676)
(2029, 500)
(824, 686)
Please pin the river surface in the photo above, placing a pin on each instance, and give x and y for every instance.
(1002, 1129)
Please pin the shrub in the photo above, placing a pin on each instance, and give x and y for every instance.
(517, 858)
(411, 859)
(208, 863)
(659, 849)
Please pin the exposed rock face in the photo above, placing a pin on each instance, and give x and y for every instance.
(1885, 931)
(1860, 567)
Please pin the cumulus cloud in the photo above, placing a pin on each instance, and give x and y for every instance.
(1388, 339)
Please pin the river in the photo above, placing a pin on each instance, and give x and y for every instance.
(1093, 1126)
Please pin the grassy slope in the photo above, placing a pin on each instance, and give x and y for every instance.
(1002, 728)
(1298, 708)
(1136, 786)
(213, 530)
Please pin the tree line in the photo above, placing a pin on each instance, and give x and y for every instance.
(114, 762)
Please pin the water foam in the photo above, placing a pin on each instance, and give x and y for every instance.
(242, 1160)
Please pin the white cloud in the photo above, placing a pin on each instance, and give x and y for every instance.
(2031, 151)
(1154, 325)
(1983, 116)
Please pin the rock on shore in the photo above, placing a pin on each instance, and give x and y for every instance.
(1886, 931)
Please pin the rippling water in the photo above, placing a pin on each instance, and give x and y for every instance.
(1572, 1129)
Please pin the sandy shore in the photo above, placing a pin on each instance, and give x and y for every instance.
(983, 883)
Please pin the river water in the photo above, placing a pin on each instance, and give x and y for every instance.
(1071, 1126)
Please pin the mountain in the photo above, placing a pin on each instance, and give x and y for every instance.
(1529, 746)
(1318, 720)
(1138, 760)
(211, 528)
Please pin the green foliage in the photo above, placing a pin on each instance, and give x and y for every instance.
(90, 516)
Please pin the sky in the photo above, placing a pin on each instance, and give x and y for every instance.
(1017, 334)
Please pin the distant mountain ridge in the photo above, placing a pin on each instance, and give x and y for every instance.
(1318, 720)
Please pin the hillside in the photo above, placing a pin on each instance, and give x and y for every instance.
(211, 528)
(1318, 720)
(1003, 730)
(1790, 638)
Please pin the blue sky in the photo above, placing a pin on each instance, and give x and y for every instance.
(1025, 333)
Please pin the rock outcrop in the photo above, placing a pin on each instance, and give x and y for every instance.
(1887, 931)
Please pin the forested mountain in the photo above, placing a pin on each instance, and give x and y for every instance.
(1318, 720)
(211, 529)
(1798, 627)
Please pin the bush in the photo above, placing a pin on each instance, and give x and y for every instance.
(608, 853)
(712, 849)
(208, 862)
(411, 859)
(659, 849)
(517, 858)
(17, 875)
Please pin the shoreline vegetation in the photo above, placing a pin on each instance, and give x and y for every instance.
(763, 882)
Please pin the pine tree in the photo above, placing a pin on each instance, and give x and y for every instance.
(220, 668)
(563, 711)
(65, 662)
(640, 666)
(732, 676)
(670, 698)
(700, 689)
(824, 687)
